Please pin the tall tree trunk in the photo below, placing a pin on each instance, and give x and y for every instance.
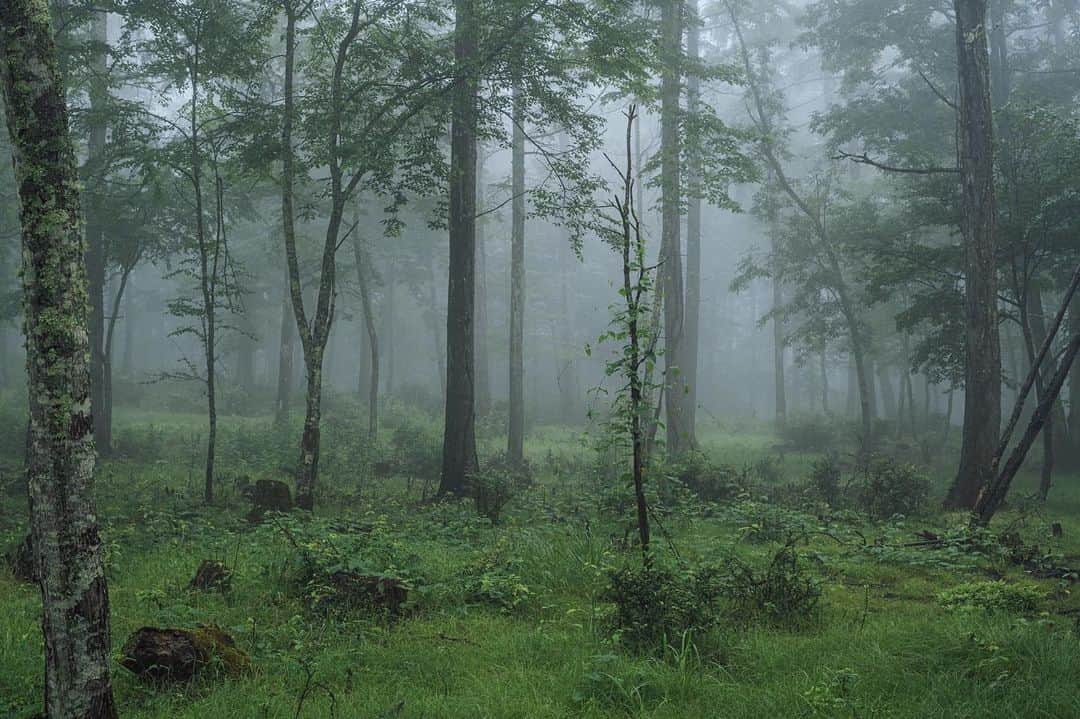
(1074, 391)
(691, 334)
(680, 435)
(388, 332)
(459, 434)
(110, 332)
(363, 278)
(483, 367)
(286, 357)
(96, 254)
(60, 466)
(779, 380)
(515, 442)
(982, 385)
(130, 329)
(433, 323)
(824, 369)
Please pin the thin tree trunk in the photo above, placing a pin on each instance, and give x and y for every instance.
(515, 442)
(982, 385)
(362, 279)
(286, 357)
(691, 336)
(60, 467)
(824, 384)
(388, 333)
(993, 495)
(433, 323)
(459, 437)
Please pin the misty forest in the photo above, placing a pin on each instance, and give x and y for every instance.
(458, 359)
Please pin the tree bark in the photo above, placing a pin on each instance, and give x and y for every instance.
(363, 275)
(691, 335)
(515, 442)
(982, 385)
(459, 434)
(483, 371)
(60, 467)
(286, 357)
(680, 435)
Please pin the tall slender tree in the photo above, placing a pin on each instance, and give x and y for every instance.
(459, 433)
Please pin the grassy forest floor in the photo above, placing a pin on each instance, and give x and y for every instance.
(857, 618)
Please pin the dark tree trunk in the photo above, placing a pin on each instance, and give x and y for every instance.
(60, 467)
(483, 371)
(515, 442)
(1074, 390)
(680, 434)
(982, 384)
(459, 435)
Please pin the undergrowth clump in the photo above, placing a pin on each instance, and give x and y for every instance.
(994, 596)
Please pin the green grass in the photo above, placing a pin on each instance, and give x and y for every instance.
(881, 645)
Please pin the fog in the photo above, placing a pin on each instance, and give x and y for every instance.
(459, 358)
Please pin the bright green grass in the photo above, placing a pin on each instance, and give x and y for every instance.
(882, 645)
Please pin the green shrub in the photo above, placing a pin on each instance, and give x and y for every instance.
(654, 605)
(994, 596)
(823, 482)
(888, 487)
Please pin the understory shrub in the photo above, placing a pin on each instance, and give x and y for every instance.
(654, 605)
(886, 487)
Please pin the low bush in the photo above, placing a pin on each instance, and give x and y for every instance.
(886, 487)
(654, 605)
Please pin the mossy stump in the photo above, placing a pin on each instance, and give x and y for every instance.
(178, 655)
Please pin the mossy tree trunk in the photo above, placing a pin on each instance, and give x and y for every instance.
(60, 467)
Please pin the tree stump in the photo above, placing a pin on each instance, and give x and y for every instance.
(178, 655)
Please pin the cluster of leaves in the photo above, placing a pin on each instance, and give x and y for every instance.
(495, 581)
(994, 596)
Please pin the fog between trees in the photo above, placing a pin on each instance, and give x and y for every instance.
(589, 281)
